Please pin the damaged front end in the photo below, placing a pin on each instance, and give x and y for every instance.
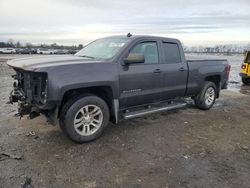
(30, 92)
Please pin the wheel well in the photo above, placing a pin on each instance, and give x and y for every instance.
(216, 80)
(104, 92)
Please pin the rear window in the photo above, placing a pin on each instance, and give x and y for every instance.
(171, 53)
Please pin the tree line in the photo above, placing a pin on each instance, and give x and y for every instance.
(11, 44)
(226, 49)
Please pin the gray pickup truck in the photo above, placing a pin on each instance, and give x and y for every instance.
(113, 78)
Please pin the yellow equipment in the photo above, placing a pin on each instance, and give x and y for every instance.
(245, 69)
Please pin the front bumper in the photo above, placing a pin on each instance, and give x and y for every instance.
(33, 111)
(26, 108)
(17, 96)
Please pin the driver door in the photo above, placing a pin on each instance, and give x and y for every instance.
(141, 83)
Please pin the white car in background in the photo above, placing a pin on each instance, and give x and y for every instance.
(7, 50)
(45, 51)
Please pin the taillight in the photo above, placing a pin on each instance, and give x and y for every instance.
(228, 67)
(243, 66)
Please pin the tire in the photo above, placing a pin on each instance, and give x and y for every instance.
(246, 81)
(78, 120)
(206, 98)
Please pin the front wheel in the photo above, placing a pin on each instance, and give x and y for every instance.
(246, 81)
(206, 98)
(84, 118)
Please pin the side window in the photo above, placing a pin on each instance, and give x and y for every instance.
(171, 53)
(149, 50)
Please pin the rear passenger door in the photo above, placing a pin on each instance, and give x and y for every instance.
(175, 71)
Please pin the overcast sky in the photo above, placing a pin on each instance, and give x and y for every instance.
(195, 22)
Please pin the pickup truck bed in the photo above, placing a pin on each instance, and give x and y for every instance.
(200, 69)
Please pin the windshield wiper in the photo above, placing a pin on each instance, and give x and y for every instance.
(87, 56)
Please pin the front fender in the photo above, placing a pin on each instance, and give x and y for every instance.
(65, 78)
(89, 85)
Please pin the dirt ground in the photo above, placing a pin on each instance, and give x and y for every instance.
(182, 148)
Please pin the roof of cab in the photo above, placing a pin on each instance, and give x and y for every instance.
(144, 36)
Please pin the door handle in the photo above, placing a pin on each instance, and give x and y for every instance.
(157, 71)
(181, 69)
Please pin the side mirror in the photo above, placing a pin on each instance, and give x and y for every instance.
(134, 58)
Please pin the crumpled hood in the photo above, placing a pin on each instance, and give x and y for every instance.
(35, 62)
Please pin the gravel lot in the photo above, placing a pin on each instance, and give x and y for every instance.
(182, 148)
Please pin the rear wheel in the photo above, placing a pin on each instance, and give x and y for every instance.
(205, 100)
(246, 81)
(84, 118)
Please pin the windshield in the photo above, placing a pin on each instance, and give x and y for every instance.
(105, 48)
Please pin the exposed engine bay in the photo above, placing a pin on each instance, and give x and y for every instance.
(30, 90)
